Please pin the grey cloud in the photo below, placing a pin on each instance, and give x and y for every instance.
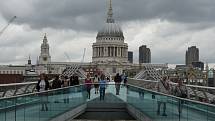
(90, 14)
(68, 22)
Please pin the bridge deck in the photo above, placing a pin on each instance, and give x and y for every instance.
(28, 108)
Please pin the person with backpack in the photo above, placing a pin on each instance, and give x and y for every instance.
(180, 91)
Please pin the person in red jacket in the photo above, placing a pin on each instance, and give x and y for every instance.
(88, 84)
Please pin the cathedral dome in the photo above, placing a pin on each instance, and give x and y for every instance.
(110, 30)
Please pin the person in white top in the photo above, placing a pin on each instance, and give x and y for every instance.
(43, 85)
(96, 84)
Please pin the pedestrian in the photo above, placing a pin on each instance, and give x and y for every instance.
(163, 87)
(117, 80)
(88, 84)
(72, 80)
(180, 91)
(108, 79)
(96, 84)
(56, 83)
(76, 80)
(125, 80)
(43, 85)
(102, 86)
(65, 90)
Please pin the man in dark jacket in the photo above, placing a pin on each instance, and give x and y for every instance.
(56, 83)
(72, 80)
(76, 80)
(117, 80)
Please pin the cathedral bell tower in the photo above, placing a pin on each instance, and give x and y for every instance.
(44, 57)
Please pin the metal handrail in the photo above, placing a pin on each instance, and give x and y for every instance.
(17, 84)
(172, 96)
(151, 91)
(194, 86)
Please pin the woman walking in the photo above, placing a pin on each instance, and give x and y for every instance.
(96, 84)
(88, 84)
(43, 85)
(102, 86)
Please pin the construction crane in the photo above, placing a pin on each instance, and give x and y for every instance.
(9, 22)
(67, 56)
(83, 56)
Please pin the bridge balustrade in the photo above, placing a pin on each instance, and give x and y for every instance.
(141, 103)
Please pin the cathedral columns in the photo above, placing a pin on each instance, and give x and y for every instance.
(118, 51)
(126, 52)
(113, 51)
(102, 51)
(121, 52)
(93, 52)
(106, 51)
(97, 51)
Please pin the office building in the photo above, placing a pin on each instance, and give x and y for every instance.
(192, 55)
(144, 54)
(130, 56)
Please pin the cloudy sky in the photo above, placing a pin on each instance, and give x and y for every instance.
(168, 27)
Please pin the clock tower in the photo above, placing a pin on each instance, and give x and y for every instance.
(44, 57)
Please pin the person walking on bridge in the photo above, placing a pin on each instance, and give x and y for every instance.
(102, 86)
(88, 84)
(66, 90)
(96, 84)
(56, 83)
(163, 87)
(43, 85)
(181, 91)
(117, 80)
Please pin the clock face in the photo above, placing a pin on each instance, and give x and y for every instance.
(44, 58)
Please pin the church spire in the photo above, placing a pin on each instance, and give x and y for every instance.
(29, 60)
(110, 13)
(45, 39)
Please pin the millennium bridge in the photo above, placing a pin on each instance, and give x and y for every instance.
(137, 101)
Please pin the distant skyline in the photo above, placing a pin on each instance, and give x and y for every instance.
(167, 27)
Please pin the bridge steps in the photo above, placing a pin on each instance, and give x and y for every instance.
(111, 109)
